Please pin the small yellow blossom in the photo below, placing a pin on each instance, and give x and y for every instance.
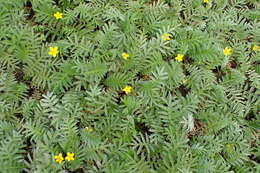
(53, 51)
(88, 129)
(227, 51)
(179, 57)
(58, 15)
(184, 81)
(229, 147)
(206, 1)
(125, 55)
(127, 89)
(166, 36)
(59, 158)
(70, 156)
(256, 48)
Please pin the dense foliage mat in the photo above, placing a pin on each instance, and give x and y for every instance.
(129, 86)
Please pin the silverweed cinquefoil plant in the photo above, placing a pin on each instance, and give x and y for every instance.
(127, 89)
(255, 48)
(58, 15)
(227, 51)
(179, 57)
(70, 156)
(125, 55)
(53, 51)
(59, 158)
(166, 37)
(140, 85)
(88, 129)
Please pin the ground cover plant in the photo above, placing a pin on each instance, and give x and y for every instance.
(129, 86)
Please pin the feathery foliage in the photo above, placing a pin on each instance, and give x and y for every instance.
(147, 86)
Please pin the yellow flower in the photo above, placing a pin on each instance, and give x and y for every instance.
(166, 36)
(58, 15)
(256, 48)
(70, 156)
(88, 129)
(206, 1)
(127, 89)
(53, 51)
(179, 57)
(125, 55)
(229, 147)
(227, 51)
(184, 81)
(59, 158)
